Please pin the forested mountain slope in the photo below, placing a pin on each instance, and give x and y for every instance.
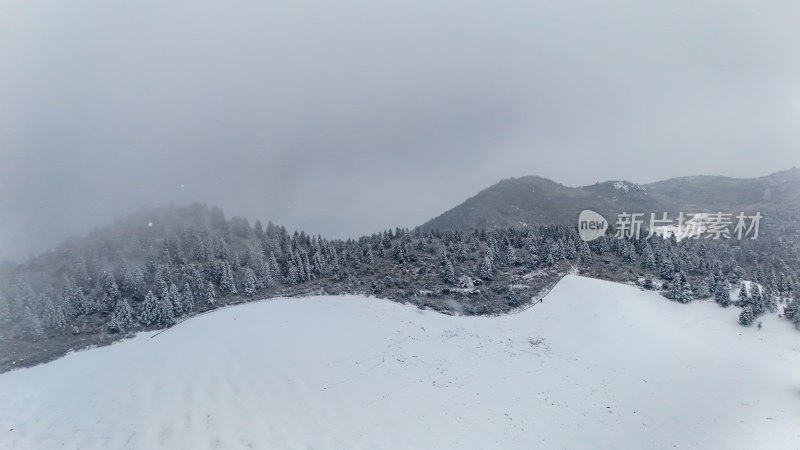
(535, 201)
(160, 265)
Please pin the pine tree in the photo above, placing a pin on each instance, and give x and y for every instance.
(274, 268)
(510, 256)
(139, 287)
(111, 288)
(462, 253)
(584, 252)
(376, 287)
(757, 301)
(736, 272)
(557, 250)
(164, 312)
(265, 276)
(174, 300)
(292, 272)
(187, 298)
(532, 261)
(77, 304)
(703, 289)
(716, 273)
(443, 258)
(600, 245)
(771, 278)
(319, 267)
(196, 281)
(486, 268)
(162, 278)
(226, 282)
(758, 274)
(222, 251)
(548, 258)
(149, 305)
(369, 258)
(744, 296)
(201, 251)
(770, 299)
(400, 253)
(105, 304)
(685, 293)
(306, 265)
(210, 295)
(722, 294)
(746, 317)
(570, 252)
(126, 283)
(667, 269)
(791, 310)
(386, 240)
(648, 257)
(53, 314)
(156, 310)
(249, 282)
(122, 319)
(448, 273)
(671, 290)
(679, 290)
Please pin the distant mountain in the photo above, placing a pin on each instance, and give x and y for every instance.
(534, 200)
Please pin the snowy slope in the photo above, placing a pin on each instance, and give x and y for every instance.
(596, 365)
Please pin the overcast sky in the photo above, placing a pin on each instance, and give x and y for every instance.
(343, 118)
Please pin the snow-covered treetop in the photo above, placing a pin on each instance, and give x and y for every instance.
(627, 186)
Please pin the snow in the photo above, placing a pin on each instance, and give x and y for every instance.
(625, 186)
(596, 365)
(692, 228)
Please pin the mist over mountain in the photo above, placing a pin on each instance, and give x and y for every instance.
(323, 116)
(499, 251)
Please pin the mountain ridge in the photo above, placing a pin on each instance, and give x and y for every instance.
(535, 200)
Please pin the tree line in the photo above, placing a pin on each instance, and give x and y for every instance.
(156, 266)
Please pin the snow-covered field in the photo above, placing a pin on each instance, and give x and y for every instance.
(596, 365)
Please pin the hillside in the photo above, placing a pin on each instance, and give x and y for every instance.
(534, 200)
(159, 266)
(597, 364)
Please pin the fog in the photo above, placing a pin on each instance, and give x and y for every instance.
(343, 118)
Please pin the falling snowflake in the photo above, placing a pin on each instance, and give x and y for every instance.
(149, 224)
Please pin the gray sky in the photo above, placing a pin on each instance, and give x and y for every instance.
(343, 118)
